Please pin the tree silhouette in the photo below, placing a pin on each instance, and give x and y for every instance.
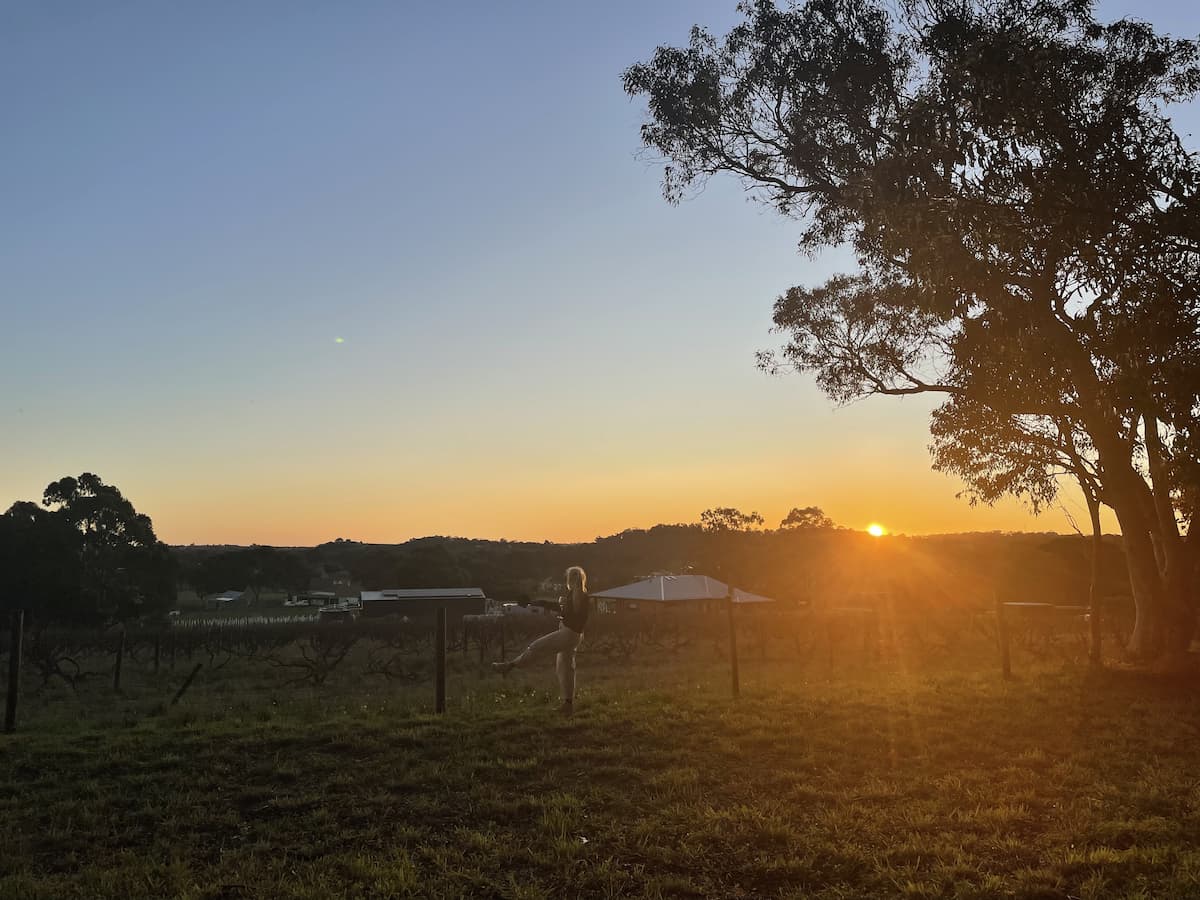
(806, 517)
(40, 560)
(125, 570)
(1026, 224)
(727, 518)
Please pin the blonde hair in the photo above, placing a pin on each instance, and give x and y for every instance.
(577, 578)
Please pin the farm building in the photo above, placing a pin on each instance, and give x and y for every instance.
(667, 591)
(223, 599)
(313, 598)
(423, 603)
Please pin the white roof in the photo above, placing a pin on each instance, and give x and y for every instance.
(424, 594)
(740, 596)
(679, 588)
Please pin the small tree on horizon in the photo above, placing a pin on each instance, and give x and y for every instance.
(805, 517)
(722, 519)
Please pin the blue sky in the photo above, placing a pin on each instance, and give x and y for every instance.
(199, 199)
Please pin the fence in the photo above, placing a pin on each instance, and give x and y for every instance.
(289, 652)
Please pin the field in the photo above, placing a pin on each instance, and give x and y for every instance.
(827, 778)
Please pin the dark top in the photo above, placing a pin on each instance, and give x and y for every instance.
(575, 611)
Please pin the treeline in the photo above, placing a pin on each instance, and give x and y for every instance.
(85, 556)
(823, 564)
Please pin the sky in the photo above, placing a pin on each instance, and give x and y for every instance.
(291, 271)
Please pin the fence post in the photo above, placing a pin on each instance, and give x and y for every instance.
(120, 657)
(157, 649)
(733, 657)
(187, 683)
(1002, 633)
(14, 670)
(503, 654)
(440, 640)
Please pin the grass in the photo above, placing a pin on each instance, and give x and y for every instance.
(863, 782)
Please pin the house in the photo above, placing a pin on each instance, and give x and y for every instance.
(423, 603)
(661, 592)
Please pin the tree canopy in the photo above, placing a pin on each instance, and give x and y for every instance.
(90, 557)
(1026, 226)
(806, 517)
(728, 518)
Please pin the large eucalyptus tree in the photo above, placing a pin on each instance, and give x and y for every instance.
(1026, 225)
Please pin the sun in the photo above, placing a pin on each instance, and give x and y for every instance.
(875, 530)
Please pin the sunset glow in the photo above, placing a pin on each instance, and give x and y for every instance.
(295, 364)
(875, 530)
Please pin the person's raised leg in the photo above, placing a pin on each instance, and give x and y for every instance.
(543, 646)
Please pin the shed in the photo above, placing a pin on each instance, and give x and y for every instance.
(423, 603)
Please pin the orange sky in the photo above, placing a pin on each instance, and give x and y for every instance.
(861, 464)
(241, 286)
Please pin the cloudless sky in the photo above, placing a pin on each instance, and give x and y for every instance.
(289, 271)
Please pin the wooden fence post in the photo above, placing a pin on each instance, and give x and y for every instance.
(733, 657)
(14, 670)
(157, 649)
(1002, 634)
(187, 683)
(503, 653)
(440, 639)
(120, 658)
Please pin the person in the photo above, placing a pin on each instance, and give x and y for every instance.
(563, 642)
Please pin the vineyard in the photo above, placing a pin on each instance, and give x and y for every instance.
(276, 660)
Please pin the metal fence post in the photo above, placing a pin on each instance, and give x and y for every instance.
(14, 670)
(440, 640)
(120, 658)
(733, 656)
(1002, 633)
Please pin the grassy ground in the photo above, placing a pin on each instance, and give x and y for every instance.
(872, 782)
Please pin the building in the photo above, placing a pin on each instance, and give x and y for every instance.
(673, 591)
(223, 600)
(422, 604)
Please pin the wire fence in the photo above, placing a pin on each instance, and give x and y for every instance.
(277, 655)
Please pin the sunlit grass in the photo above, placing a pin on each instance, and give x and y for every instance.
(860, 782)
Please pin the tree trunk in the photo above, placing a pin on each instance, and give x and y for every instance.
(1165, 620)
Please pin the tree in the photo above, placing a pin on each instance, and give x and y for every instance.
(87, 559)
(1025, 220)
(125, 571)
(252, 569)
(727, 518)
(40, 562)
(806, 517)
